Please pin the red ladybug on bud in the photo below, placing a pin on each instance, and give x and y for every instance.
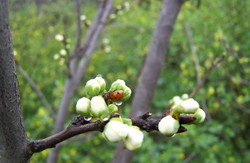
(116, 95)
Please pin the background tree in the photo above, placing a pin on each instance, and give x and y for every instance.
(152, 67)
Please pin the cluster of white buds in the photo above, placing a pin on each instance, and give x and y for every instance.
(119, 10)
(94, 105)
(61, 56)
(59, 37)
(101, 104)
(184, 105)
(86, 22)
(122, 129)
(106, 45)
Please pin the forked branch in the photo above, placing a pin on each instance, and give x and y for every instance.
(213, 65)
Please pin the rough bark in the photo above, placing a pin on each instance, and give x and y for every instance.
(151, 69)
(13, 139)
(77, 72)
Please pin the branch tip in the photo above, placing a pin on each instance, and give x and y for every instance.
(146, 115)
(181, 129)
(187, 119)
(115, 115)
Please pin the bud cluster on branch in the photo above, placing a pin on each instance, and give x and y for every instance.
(99, 112)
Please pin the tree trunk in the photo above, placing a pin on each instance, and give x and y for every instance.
(151, 69)
(13, 138)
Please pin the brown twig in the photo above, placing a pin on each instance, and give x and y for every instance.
(213, 65)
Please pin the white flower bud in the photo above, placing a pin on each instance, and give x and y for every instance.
(175, 101)
(59, 37)
(92, 88)
(115, 130)
(105, 41)
(83, 106)
(56, 57)
(189, 106)
(102, 83)
(63, 52)
(200, 115)
(118, 85)
(83, 17)
(112, 16)
(99, 107)
(134, 138)
(168, 126)
(107, 49)
(126, 6)
(184, 96)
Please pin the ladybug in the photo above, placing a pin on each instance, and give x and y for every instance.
(116, 95)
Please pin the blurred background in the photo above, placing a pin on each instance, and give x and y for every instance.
(207, 28)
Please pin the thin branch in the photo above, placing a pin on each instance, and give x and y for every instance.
(241, 81)
(78, 26)
(243, 108)
(213, 65)
(193, 50)
(37, 90)
(189, 158)
(197, 65)
(79, 125)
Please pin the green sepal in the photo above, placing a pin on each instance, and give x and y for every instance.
(200, 115)
(112, 108)
(127, 121)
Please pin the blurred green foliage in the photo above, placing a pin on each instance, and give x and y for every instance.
(217, 27)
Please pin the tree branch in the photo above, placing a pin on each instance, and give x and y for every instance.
(78, 26)
(213, 65)
(37, 90)
(79, 125)
(77, 138)
(197, 65)
(193, 50)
